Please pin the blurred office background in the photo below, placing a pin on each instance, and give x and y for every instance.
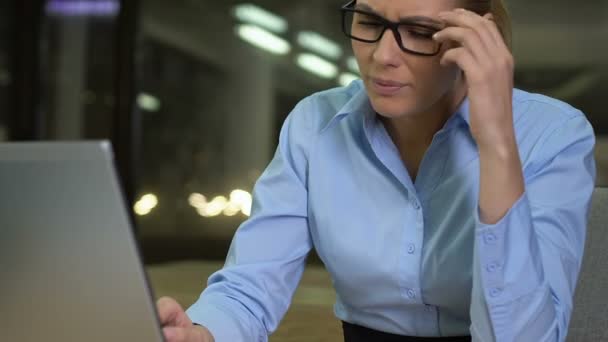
(192, 94)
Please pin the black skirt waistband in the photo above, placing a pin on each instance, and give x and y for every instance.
(357, 333)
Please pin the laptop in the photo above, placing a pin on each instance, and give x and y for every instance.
(70, 269)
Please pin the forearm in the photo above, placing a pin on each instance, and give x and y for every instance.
(501, 178)
(528, 253)
(501, 186)
(510, 290)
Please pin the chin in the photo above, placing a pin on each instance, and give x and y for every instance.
(389, 107)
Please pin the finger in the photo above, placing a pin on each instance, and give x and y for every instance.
(463, 18)
(503, 54)
(461, 57)
(467, 38)
(493, 29)
(487, 27)
(482, 24)
(168, 311)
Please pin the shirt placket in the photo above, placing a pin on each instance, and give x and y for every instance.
(409, 255)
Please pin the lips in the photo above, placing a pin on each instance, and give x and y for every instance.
(387, 83)
(386, 87)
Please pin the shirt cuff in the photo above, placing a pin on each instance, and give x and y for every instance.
(221, 323)
(508, 255)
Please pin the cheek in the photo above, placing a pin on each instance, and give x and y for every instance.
(362, 54)
(448, 74)
(434, 78)
(450, 70)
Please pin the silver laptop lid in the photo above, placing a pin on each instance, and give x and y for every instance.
(69, 265)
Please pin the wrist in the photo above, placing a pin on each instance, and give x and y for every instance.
(493, 135)
(500, 146)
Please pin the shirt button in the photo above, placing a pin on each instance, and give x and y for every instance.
(495, 292)
(411, 248)
(489, 238)
(411, 293)
(492, 267)
(416, 205)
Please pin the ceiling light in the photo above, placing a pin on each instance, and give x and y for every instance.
(319, 44)
(317, 65)
(253, 14)
(148, 102)
(352, 64)
(263, 39)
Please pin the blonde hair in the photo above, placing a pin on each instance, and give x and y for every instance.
(499, 11)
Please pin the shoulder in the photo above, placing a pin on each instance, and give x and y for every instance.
(538, 117)
(538, 109)
(316, 111)
(546, 126)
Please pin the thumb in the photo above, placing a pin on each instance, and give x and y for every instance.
(190, 334)
(174, 334)
(171, 313)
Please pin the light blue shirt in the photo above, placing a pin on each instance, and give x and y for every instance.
(410, 258)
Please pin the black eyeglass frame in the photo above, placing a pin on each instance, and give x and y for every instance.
(387, 24)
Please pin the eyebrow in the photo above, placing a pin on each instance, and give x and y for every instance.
(414, 19)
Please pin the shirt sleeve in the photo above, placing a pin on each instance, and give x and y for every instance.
(246, 300)
(527, 264)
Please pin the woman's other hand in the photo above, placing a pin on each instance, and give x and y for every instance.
(177, 326)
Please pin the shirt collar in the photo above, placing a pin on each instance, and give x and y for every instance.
(359, 103)
(461, 115)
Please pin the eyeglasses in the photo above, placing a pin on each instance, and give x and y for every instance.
(412, 37)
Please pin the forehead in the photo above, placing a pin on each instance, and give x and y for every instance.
(393, 9)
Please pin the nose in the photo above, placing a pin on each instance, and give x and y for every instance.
(387, 52)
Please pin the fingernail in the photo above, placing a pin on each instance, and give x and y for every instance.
(436, 36)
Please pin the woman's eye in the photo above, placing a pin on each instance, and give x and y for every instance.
(421, 34)
(369, 23)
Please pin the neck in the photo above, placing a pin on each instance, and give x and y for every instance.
(417, 131)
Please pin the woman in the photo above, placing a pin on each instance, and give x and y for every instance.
(444, 204)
